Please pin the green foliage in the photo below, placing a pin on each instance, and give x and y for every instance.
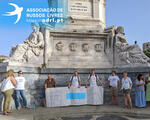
(147, 52)
(39, 70)
(1, 60)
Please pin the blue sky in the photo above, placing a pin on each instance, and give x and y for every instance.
(133, 15)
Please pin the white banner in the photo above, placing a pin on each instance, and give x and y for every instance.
(62, 96)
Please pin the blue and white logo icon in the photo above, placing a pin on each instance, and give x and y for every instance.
(17, 11)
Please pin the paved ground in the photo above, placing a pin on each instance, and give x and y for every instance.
(105, 112)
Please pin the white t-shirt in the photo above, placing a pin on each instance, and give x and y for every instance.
(6, 85)
(126, 83)
(93, 80)
(20, 83)
(75, 81)
(113, 80)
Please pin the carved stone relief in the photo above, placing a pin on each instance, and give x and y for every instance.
(98, 47)
(73, 47)
(59, 46)
(85, 47)
(130, 53)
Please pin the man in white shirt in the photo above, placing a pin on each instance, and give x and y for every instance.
(93, 79)
(20, 90)
(74, 81)
(114, 84)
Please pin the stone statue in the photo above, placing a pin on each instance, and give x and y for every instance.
(131, 54)
(33, 46)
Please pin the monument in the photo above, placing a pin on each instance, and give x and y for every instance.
(83, 43)
(146, 46)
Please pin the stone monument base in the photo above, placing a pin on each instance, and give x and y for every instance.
(36, 76)
(76, 49)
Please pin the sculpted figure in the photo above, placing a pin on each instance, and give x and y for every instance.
(85, 47)
(59, 46)
(73, 47)
(32, 46)
(128, 53)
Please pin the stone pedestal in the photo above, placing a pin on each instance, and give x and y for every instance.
(35, 78)
(80, 49)
(82, 14)
(83, 41)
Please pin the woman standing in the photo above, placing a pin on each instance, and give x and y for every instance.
(148, 87)
(126, 87)
(7, 89)
(140, 92)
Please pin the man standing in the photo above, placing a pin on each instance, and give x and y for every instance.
(114, 84)
(93, 79)
(49, 83)
(74, 81)
(20, 90)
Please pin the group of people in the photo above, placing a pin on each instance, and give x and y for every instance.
(114, 84)
(11, 84)
(16, 85)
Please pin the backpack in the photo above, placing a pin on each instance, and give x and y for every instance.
(95, 76)
(72, 78)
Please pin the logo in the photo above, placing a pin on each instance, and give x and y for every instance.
(17, 12)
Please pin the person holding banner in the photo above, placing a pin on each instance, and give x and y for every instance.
(74, 81)
(93, 79)
(49, 83)
(113, 84)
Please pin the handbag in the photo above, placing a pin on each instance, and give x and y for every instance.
(3, 84)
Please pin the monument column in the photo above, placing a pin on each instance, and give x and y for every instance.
(99, 10)
(102, 7)
(48, 44)
(95, 8)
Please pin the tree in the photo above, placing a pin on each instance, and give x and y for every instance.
(1, 60)
(147, 52)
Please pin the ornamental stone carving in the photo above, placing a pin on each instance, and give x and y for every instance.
(98, 47)
(128, 53)
(73, 47)
(85, 47)
(59, 46)
(32, 48)
(146, 46)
